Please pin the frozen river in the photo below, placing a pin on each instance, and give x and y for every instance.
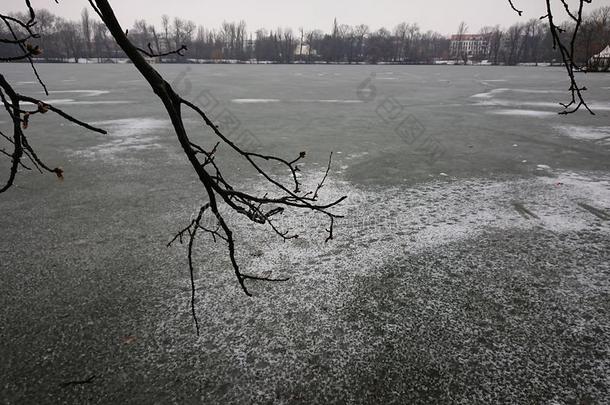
(472, 265)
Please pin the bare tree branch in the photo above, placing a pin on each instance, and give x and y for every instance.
(257, 209)
(567, 51)
(13, 101)
(156, 54)
(520, 12)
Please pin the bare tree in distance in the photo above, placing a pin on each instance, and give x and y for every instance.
(261, 208)
(462, 53)
(514, 41)
(86, 27)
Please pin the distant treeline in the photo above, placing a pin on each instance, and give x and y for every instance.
(529, 42)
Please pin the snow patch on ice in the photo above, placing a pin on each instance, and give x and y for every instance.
(105, 102)
(133, 126)
(524, 113)
(274, 100)
(331, 101)
(540, 104)
(489, 94)
(594, 187)
(382, 227)
(59, 101)
(381, 223)
(357, 155)
(583, 132)
(126, 135)
(517, 103)
(68, 101)
(492, 93)
(85, 93)
(255, 100)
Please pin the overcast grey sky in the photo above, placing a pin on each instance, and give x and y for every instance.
(439, 15)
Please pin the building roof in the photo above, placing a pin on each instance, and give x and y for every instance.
(469, 37)
(604, 54)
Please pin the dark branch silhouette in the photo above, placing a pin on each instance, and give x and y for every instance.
(567, 51)
(520, 12)
(27, 50)
(156, 54)
(256, 208)
(20, 118)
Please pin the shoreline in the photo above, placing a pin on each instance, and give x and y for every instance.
(120, 61)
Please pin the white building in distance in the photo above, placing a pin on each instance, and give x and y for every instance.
(469, 45)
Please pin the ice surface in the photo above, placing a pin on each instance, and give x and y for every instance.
(433, 281)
